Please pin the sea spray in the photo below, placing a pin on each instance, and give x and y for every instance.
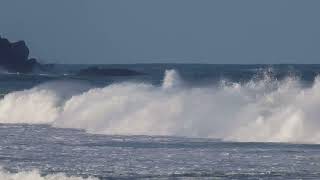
(259, 110)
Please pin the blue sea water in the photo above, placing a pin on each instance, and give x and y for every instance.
(178, 121)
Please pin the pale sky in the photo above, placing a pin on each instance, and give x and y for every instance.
(174, 31)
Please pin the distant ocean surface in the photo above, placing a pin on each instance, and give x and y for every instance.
(177, 121)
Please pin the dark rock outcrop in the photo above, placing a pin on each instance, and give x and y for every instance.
(96, 71)
(14, 57)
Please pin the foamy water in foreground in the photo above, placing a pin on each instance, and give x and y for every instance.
(259, 128)
(43, 152)
(35, 175)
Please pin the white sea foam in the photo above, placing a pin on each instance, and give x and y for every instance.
(171, 79)
(35, 175)
(264, 110)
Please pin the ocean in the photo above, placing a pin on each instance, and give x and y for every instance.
(176, 121)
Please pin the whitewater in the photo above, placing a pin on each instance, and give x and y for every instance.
(36, 175)
(265, 110)
(176, 122)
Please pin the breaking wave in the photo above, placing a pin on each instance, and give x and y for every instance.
(259, 110)
(35, 175)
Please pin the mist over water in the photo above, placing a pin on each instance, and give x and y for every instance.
(265, 109)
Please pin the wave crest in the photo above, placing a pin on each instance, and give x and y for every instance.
(259, 110)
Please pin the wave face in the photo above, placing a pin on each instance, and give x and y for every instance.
(266, 110)
(35, 175)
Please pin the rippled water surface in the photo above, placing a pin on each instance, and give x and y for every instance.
(74, 152)
(176, 121)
